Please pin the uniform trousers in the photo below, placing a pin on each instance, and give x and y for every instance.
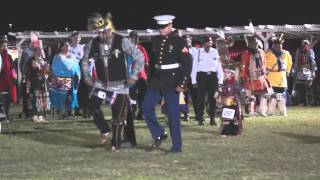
(149, 103)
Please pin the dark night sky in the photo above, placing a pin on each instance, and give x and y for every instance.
(53, 15)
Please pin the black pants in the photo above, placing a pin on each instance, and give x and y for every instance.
(193, 93)
(118, 109)
(98, 117)
(25, 100)
(207, 85)
(129, 134)
(137, 93)
(83, 98)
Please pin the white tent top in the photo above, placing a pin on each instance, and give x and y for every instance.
(290, 31)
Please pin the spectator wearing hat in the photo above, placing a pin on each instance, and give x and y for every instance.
(278, 65)
(7, 76)
(304, 70)
(168, 77)
(109, 51)
(252, 73)
(207, 76)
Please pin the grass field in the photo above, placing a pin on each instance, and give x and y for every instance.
(269, 148)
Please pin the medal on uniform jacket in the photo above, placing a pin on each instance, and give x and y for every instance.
(170, 48)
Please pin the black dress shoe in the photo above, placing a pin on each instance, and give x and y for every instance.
(159, 140)
(139, 116)
(186, 117)
(200, 122)
(173, 151)
(77, 114)
(213, 122)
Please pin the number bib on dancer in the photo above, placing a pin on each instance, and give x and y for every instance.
(228, 113)
(101, 95)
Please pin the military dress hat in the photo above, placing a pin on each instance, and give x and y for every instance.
(305, 41)
(163, 20)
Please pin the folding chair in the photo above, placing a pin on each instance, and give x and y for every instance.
(3, 116)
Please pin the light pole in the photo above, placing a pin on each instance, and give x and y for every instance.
(10, 25)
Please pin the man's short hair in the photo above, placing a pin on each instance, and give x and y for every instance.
(75, 33)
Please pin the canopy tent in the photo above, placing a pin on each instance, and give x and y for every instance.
(290, 32)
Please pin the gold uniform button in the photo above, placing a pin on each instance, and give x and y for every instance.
(161, 53)
(173, 74)
(162, 44)
(182, 86)
(160, 57)
(160, 62)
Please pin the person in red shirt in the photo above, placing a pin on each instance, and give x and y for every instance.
(8, 88)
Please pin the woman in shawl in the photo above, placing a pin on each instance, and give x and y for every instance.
(65, 78)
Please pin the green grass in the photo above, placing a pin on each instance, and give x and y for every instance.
(269, 148)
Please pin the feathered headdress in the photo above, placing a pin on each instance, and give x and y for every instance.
(98, 23)
(277, 38)
(253, 35)
(35, 41)
(223, 40)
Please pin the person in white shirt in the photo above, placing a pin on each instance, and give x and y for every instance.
(207, 76)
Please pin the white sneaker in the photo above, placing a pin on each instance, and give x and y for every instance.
(104, 138)
(36, 119)
(41, 119)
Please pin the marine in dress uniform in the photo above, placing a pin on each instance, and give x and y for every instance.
(207, 75)
(170, 69)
